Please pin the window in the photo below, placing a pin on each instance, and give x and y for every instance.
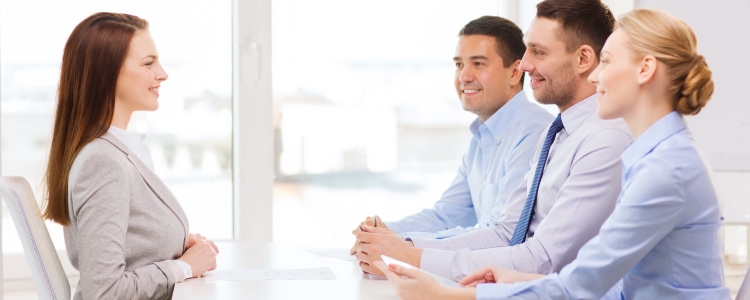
(366, 118)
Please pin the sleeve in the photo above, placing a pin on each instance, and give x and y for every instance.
(583, 202)
(101, 203)
(459, 256)
(651, 206)
(494, 236)
(591, 189)
(648, 210)
(181, 270)
(454, 208)
(548, 287)
(457, 204)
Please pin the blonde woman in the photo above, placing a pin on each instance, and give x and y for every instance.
(662, 239)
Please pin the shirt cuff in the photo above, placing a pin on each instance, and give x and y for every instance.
(418, 235)
(491, 291)
(438, 262)
(181, 270)
(420, 242)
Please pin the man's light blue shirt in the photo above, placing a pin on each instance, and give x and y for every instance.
(495, 164)
(662, 239)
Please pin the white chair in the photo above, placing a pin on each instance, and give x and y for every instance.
(744, 292)
(47, 271)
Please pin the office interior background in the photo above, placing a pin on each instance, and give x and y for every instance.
(285, 120)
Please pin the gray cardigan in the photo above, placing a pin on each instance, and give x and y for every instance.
(125, 225)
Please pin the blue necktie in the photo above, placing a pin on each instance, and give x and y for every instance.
(519, 235)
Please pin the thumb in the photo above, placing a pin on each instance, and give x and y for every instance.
(393, 277)
(474, 277)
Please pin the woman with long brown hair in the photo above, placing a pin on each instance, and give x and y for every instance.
(124, 230)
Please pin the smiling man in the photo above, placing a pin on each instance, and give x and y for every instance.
(489, 85)
(545, 221)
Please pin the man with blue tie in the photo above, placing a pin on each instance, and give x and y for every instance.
(575, 177)
(489, 85)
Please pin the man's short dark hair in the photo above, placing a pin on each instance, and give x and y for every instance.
(583, 22)
(508, 37)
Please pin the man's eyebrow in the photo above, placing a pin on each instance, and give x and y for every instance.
(475, 57)
(535, 45)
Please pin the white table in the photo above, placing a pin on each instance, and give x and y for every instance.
(350, 283)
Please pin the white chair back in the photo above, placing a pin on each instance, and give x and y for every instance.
(744, 291)
(47, 271)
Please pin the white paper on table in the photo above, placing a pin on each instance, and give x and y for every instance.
(342, 253)
(272, 274)
(376, 277)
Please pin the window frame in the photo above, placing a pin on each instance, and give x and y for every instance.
(252, 121)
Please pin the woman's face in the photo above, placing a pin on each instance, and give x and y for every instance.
(616, 77)
(140, 76)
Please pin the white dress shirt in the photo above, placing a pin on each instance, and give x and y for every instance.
(582, 178)
(136, 142)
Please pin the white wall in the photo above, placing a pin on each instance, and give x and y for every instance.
(722, 129)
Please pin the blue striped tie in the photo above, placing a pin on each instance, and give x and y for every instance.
(519, 235)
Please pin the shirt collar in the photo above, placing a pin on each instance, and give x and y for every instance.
(135, 142)
(661, 130)
(501, 120)
(576, 115)
(126, 137)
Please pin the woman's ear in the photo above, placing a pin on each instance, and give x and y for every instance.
(647, 69)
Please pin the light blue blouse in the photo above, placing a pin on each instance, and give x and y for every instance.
(662, 238)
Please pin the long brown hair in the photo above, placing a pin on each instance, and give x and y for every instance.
(91, 63)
